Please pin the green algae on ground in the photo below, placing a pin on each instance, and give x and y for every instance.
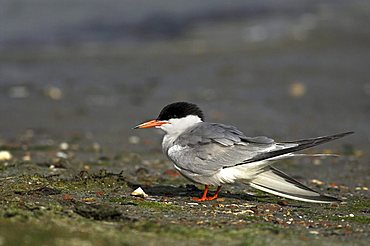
(95, 208)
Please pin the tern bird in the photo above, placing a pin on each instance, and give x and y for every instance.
(216, 154)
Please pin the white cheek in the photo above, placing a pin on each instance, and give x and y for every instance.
(177, 126)
(165, 127)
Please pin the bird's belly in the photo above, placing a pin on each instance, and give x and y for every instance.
(223, 176)
(198, 178)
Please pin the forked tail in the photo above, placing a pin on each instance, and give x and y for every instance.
(278, 183)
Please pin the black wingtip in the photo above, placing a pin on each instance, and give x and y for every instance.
(301, 144)
(339, 135)
(322, 139)
(330, 199)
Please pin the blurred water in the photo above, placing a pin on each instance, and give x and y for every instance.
(287, 69)
(63, 22)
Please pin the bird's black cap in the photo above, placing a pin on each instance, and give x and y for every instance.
(180, 110)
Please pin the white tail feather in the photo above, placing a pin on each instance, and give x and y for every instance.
(278, 183)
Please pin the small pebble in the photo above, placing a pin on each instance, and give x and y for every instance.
(63, 146)
(134, 140)
(297, 89)
(316, 181)
(314, 232)
(351, 215)
(96, 147)
(62, 155)
(362, 188)
(5, 155)
(54, 93)
(27, 157)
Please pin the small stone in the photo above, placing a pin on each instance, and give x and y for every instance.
(54, 93)
(314, 232)
(351, 215)
(5, 155)
(96, 147)
(27, 157)
(139, 192)
(62, 155)
(316, 181)
(63, 146)
(134, 140)
(297, 89)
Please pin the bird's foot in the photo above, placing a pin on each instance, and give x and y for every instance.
(211, 198)
(202, 199)
(204, 196)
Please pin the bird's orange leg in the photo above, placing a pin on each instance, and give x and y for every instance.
(215, 195)
(204, 196)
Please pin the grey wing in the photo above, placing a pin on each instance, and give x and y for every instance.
(208, 147)
(286, 148)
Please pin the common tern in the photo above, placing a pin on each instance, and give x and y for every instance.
(216, 154)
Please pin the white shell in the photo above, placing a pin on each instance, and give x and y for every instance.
(139, 193)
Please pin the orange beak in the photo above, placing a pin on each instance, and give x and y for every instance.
(151, 123)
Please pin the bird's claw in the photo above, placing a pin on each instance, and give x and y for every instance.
(202, 199)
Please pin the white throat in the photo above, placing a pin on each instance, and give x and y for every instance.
(178, 126)
(175, 128)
